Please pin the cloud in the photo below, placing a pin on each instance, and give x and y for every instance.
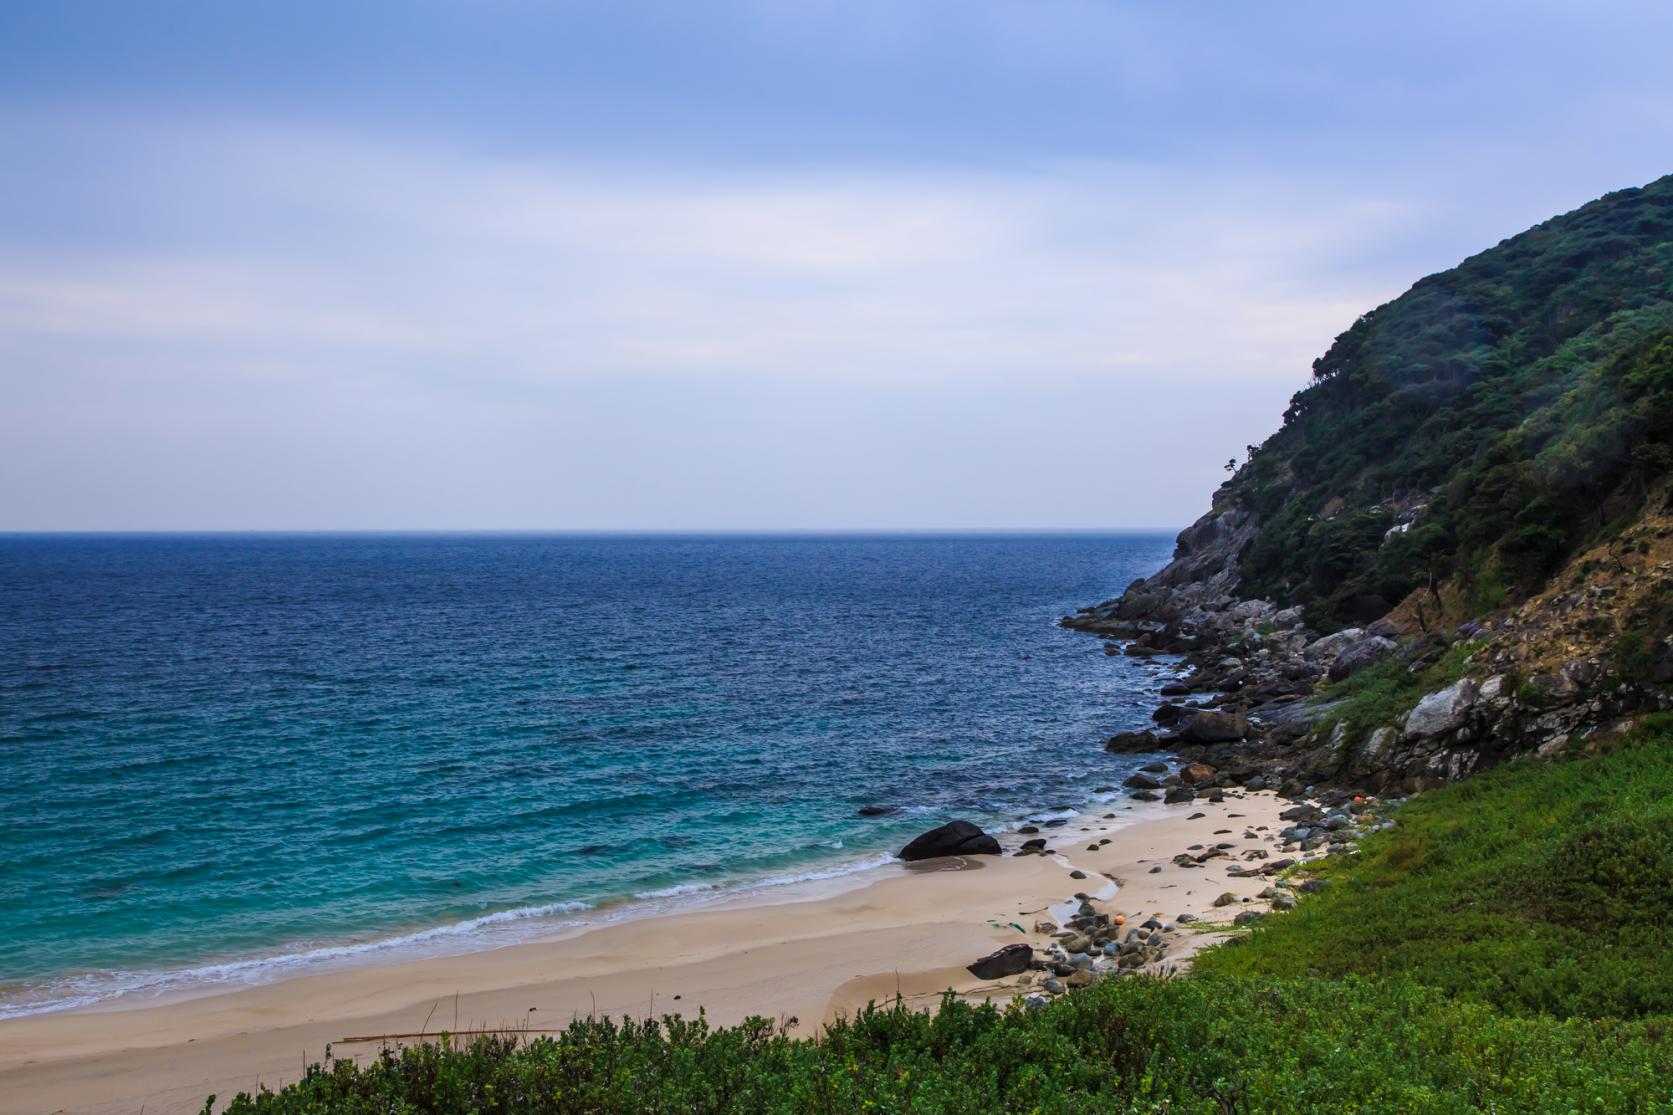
(329, 247)
(214, 324)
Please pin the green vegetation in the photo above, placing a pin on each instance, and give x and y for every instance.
(1521, 402)
(1382, 693)
(1505, 948)
(1533, 888)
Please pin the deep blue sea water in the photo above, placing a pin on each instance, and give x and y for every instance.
(226, 758)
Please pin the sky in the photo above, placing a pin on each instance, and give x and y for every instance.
(743, 264)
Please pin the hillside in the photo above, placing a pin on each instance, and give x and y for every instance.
(1471, 493)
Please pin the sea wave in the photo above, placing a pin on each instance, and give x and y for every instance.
(90, 988)
(728, 888)
(487, 931)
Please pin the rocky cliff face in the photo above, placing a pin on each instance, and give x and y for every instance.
(1444, 558)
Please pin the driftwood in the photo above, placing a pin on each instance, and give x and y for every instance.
(445, 1034)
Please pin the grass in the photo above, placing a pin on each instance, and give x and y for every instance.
(1504, 948)
(1534, 888)
(1382, 693)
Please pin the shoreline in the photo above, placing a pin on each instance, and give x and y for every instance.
(910, 930)
(546, 920)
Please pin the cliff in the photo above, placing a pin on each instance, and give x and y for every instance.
(1456, 546)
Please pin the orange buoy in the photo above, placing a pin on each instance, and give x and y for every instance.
(1121, 919)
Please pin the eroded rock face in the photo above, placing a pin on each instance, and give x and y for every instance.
(956, 838)
(1376, 749)
(1440, 712)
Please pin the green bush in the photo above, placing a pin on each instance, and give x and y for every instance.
(1206, 1044)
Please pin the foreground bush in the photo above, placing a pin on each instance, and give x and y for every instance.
(1209, 1044)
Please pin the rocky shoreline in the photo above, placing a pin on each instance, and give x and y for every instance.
(1255, 699)
(1117, 926)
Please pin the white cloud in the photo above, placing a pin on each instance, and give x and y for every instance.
(330, 248)
(227, 327)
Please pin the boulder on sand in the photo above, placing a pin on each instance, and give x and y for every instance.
(955, 838)
(1008, 961)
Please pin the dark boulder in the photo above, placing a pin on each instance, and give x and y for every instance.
(1142, 781)
(876, 810)
(1180, 794)
(1132, 742)
(1169, 714)
(1215, 727)
(1008, 961)
(956, 838)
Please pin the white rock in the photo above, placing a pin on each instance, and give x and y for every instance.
(1440, 712)
(1378, 743)
(1327, 648)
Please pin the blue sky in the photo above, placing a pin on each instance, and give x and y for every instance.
(763, 265)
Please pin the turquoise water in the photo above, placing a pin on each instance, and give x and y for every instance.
(232, 758)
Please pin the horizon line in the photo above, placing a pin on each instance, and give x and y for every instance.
(582, 532)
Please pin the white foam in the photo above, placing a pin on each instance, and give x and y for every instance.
(89, 988)
(740, 887)
(487, 931)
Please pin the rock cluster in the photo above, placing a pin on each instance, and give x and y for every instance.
(1249, 703)
(1092, 944)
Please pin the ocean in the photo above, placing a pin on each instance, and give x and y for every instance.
(232, 758)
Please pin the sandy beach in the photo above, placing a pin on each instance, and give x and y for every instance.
(810, 953)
